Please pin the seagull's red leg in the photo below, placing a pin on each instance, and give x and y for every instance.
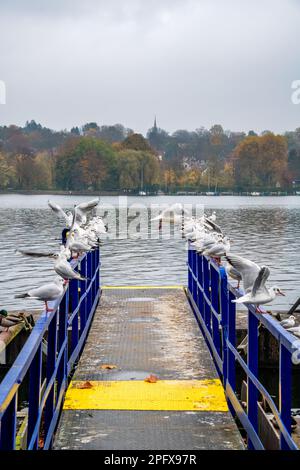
(47, 308)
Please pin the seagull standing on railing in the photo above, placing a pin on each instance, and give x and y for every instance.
(64, 269)
(46, 293)
(295, 330)
(234, 274)
(218, 249)
(288, 322)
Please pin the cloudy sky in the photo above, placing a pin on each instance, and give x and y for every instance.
(191, 62)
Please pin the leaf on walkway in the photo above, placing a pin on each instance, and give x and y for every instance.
(108, 366)
(86, 384)
(152, 379)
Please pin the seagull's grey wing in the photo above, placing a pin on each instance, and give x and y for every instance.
(213, 225)
(65, 270)
(215, 250)
(58, 210)
(233, 272)
(294, 329)
(46, 292)
(248, 269)
(88, 206)
(36, 254)
(260, 281)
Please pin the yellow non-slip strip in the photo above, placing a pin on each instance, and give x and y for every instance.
(164, 395)
(141, 287)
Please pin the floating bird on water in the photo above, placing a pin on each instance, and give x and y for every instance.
(46, 293)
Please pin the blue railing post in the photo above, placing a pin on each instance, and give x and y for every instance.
(224, 309)
(51, 362)
(285, 391)
(206, 285)
(35, 377)
(252, 361)
(190, 276)
(231, 374)
(83, 284)
(74, 294)
(200, 303)
(90, 276)
(63, 341)
(8, 426)
(215, 291)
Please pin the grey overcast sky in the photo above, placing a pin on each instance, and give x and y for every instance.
(192, 63)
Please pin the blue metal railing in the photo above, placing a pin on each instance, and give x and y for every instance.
(211, 296)
(44, 367)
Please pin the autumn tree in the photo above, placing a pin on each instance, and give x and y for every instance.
(136, 142)
(260, 161)
(7, 172)
(86, 162)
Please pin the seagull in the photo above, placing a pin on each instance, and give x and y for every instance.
(47, 292)
(288, 322)
(68, 216)
(175, 213)
(218, 249)
(77, 245)
(247, 269)
(234, 274)
(63, 268)
(295, 330)
(36, 254)
(259, 294)
(212, 217)
(212, 226)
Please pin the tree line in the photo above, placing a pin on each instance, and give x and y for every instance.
(115, 158)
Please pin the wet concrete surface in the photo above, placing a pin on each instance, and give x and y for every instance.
(137, 333)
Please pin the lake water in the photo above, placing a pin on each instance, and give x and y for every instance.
(264, 229)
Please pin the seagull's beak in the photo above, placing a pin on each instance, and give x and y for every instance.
(281, 293)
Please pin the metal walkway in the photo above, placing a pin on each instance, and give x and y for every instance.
(137, 334)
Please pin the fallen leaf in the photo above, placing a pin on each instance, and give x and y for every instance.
(152, 379)
(108, 366)
(86, 384)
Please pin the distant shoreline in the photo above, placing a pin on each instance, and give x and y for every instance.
(122, 193)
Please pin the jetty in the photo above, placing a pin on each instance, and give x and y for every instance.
(147, 367)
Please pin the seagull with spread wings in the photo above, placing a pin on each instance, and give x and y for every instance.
(260, 294)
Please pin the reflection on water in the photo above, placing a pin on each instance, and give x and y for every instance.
(266, 229)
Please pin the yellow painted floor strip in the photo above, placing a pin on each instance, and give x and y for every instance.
(141, 287)
(180, 395)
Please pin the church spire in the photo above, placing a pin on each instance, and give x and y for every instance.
(155, 124)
